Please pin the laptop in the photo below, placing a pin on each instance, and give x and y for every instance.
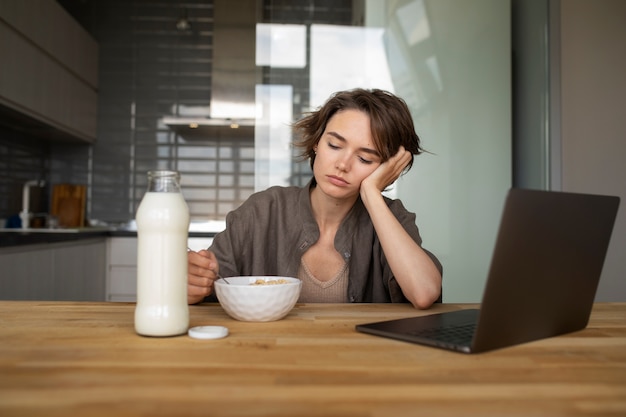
(542, 281)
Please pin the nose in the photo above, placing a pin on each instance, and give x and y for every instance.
(343, 163)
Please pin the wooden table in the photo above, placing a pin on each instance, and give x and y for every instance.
(84, 359)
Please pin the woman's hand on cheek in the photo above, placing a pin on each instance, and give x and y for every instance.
(387, 172)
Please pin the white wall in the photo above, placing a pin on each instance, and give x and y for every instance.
(593, 116)
(451, 61)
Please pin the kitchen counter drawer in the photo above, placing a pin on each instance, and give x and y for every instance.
(62, 271)
(122, 268)
(122, 251)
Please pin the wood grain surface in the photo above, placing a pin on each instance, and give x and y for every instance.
(84, 359)
(68, 204)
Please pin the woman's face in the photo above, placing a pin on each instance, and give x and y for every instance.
(345, 154)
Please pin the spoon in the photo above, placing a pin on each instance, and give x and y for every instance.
(221, 277)
(216, 273)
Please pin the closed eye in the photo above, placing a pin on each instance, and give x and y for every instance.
(366, 151)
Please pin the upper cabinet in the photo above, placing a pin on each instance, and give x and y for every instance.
(49, 71)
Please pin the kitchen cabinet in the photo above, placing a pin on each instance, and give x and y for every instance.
(122, 265)
(121, 269)
(66, 271)
(49, 67)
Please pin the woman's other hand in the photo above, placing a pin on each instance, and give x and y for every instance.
(387, 172)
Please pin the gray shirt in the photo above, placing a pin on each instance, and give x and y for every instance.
(269, 233)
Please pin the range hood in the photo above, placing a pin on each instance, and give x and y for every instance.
(206, 128)
(231, 113)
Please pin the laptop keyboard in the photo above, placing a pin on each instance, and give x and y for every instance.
(457, 334)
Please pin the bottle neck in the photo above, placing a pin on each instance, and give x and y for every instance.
(164, 182)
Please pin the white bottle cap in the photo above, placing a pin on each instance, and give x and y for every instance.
(208, 332)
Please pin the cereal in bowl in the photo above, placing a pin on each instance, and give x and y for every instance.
(270, 282)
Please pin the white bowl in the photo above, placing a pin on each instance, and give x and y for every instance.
(247, 302)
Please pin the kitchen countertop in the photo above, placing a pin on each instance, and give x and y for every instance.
(33, 237)
(18, 237)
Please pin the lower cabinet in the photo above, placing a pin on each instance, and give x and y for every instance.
(94, 269)
(68, 271)
(122, 265)
(122, 269)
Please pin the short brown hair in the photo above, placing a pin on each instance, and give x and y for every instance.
(390, 121)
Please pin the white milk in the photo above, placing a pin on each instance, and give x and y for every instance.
(162, 227)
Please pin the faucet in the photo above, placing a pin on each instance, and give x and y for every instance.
(25, 215)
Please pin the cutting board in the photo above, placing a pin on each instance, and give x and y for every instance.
(68, 204)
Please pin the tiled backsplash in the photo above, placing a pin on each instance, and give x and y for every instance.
(22, 159)
(148, 70)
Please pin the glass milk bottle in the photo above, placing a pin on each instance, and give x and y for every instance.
(162, 227)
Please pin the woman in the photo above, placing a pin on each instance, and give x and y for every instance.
(339, 234)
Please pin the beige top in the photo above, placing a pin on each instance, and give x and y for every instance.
(315, 291)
